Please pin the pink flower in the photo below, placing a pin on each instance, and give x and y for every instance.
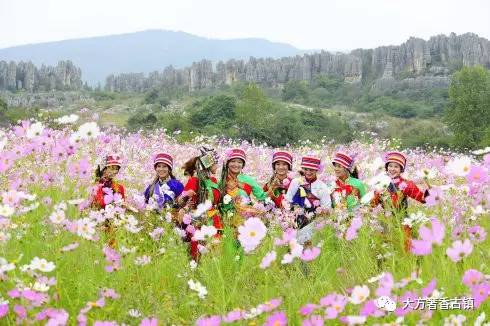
(105, 323)
(20, 311)
(407, 303)
(277, 319)
(351, 232)
(370, 309)
(209, 321)
(310, 254)
(268, 259)
(307, 309)
(477, 233)
(386, 284)
(149, 322)
(70, 247)
(429, 237)
(314, 320)
(270, 305)
(109, 293)
(113, 258)
(287, 236)
(472, 277)
(427, 291)
(435, 197)
(459, 250)
(480, 293)
(233, 316)
(477, 175)
(353, 320)
(4, 310)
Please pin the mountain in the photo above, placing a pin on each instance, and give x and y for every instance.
(145, 51)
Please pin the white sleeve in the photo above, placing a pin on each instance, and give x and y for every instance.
(293, 188)
(325, 201)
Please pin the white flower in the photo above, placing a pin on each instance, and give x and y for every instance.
(89, 130)
(480, 319)
(427, 173)
(198, 287)
(193, 264)
(202, 208)
(86, 228)
(67, 119)
(359, 294)
(6, 211)
(380, 182)
(126, 251)
(76, 201)
(251, 233)
(227, 199)
(134, 313)
(204, 233)
(34, 130)
(142, 260)
(482, 151)
(355, 320)
(459, 166)
(376, 278)
(366, 199)
(5, 266)
(40, 287)
(75, 138)
(57, 217)
(454, 320)
(42, 264)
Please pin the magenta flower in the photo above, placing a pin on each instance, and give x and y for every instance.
(310, 254)
(288, 235)
(149, 322)
(209, 321)
(276, 319)
(472, 277)
(459, 250)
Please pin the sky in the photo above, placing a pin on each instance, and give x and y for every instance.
(340, 25)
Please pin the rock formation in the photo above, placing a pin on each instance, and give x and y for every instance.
(415, 63)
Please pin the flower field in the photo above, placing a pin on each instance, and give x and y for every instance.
(57, 267)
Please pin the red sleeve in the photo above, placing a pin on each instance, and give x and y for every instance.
(192, 184)
(99, 197)
(122, 191)
(265, 187)
(414, 192)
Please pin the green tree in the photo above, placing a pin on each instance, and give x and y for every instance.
(214, 110)
(468, 113)
(3, 110)
(295, 90)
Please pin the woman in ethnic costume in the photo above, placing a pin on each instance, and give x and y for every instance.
(201, 188)
(307, 191)
(237, 188)
(395, 196)
(277, 186)
(107, 190)
(348, 189)
(165, 188)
